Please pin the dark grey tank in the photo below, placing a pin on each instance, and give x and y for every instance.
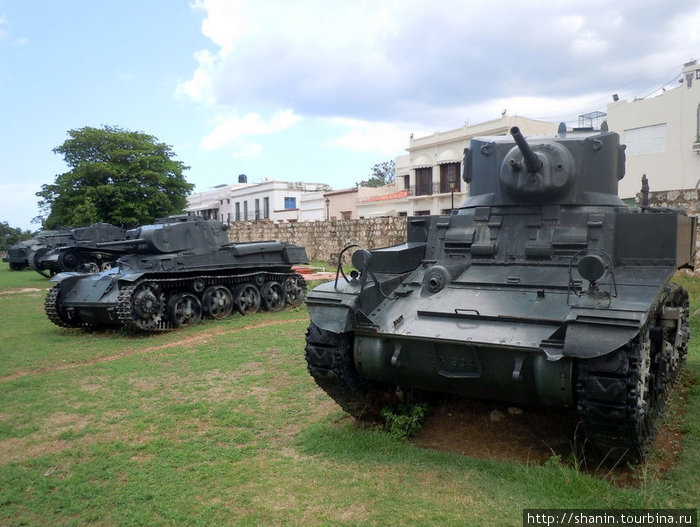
(176, 271)
(544, 288)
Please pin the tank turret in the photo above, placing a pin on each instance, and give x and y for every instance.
(544, 288)
(173, 272)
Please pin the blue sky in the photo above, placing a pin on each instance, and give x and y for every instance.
(315, 90)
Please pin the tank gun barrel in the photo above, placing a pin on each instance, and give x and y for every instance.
(532, 161)
(121, 243)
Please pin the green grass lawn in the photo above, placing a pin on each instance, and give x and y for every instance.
(221, 424)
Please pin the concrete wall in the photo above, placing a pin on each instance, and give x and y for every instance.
(325, 239)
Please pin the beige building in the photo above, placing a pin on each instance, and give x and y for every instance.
(429, 177)
(662, 135)
(341, 204)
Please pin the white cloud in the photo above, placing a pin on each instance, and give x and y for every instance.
(248, 150)
(408, 61)
(366, 136)
(250, 124)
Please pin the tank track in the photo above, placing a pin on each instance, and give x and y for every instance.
(126, 316)
(329, 358)
(34, 265)
(622, 395)
(52, 310)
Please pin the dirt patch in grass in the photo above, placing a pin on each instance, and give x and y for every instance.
(491, 430)
(20, 290)
(488, 430)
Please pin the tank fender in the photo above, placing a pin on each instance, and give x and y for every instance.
(331, 305)
(130, 277)
(336, 319)
(585, 340)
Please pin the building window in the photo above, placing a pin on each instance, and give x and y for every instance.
(245, 210)
(449, 177)
(645, 140)
(290, 202)
(266, 208)
(406, 182)
(257, 209)
(422, 213)
(238, 211)
(424, 181)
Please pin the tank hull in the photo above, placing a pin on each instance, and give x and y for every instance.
(165, 291)
(543, 289)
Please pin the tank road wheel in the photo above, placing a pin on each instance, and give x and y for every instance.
(57, 313)
(141, 306)
(295, 289)
(246, 298)
(329, 358)
(273, 295)
(69, 260)
(622, 395)
(217, 301)
(184, 309)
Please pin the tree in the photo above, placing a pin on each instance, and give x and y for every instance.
(382, 174)
(11, 235)
(116, 176)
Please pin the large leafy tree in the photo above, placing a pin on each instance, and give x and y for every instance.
(381, 174)
(116, 176)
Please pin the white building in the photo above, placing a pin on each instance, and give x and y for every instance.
(269, 200)
(662, 135)
(429, 177)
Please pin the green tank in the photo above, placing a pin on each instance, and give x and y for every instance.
(175, 272)
(543, 289)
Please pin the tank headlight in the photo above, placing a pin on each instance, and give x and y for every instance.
(591, 267)
(361, 259)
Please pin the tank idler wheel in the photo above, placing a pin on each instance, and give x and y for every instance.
(184, 309)
(147, 304)
(69, 260)
(217, 301)
(16, 266)
(273, 296)
(246, 298)
(105, 266)
(295, 289)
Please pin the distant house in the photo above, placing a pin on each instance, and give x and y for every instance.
(268, 200)
(429, 177)
(662, 135)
